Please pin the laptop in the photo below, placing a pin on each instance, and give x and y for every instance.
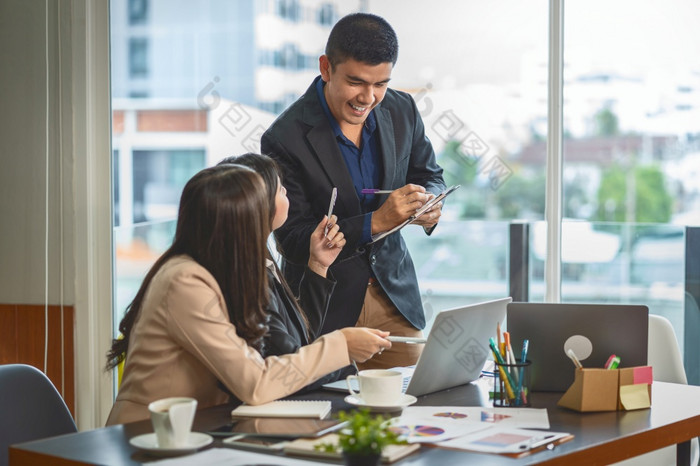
(455, 351)
(593, 331)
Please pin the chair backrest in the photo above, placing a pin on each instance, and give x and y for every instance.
(692, 323)
(30, 408)
(664, 355)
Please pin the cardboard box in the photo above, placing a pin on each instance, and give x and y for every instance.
(609, 390)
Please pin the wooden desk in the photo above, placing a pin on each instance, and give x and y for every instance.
(600, 438)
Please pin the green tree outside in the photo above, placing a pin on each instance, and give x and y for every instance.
(463, 170)
(522, 196)
(607, 123)
(653, 203)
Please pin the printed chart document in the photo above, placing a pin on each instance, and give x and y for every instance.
(285, 408)
(437, 424)
(428, 205)
(480, 429)
(504, 440)
(529, 418)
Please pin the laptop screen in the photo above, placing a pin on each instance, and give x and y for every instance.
(457, 347)
(593, 331)
(455, 351)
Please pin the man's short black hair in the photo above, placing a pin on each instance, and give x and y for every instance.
(362, 37)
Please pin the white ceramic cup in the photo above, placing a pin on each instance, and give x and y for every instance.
(377, 386)
(172, 420)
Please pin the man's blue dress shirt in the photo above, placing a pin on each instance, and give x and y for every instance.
(364, 162)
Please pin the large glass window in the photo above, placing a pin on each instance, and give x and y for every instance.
(195, 82)
(476, 70)
(192, 83)
(632, 129)
(478, 73)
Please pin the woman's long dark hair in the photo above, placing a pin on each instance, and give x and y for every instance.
(271, 174)
(222, 226)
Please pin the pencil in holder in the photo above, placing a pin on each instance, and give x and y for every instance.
(512, 385)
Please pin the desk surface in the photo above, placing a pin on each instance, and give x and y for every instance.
(600, 438)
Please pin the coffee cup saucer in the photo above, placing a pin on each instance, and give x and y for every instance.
(149, 444)
(403, 401)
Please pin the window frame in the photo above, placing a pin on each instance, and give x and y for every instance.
(87, 73)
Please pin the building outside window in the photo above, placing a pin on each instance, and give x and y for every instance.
(326, 14)
(138, 57)
(138, 11)
(289, 9)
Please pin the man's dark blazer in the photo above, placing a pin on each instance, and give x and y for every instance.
(302, 141)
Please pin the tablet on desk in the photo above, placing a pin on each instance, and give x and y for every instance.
(278, 427)
(255, 443)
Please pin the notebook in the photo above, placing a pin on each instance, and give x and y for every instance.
(285, 408)
(593, 331)
(455, 352)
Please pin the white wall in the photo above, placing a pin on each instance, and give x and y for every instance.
(23, 158)
(79, 193)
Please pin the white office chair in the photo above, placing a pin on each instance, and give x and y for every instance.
(664, 356)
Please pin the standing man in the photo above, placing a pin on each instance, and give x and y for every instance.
(350, 131)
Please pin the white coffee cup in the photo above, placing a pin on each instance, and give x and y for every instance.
(377, 386)
(172, 420)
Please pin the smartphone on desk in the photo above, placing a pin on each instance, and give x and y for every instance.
(278, 427)
(255, 443)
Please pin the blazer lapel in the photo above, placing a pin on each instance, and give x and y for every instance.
(287, 304)
(325, 149)
(388, 146)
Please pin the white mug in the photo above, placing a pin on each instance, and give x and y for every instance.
(172, 420)
(377, 386)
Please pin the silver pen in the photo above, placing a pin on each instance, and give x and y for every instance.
(411, 340)
(334, 195)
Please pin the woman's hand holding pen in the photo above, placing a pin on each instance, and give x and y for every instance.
(324, 249)
(400, 205)
(363, 343)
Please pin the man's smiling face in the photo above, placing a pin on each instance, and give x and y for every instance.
(354, 88)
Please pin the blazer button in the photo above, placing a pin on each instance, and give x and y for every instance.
(373, 260)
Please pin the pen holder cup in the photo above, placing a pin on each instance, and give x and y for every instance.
(511, 386)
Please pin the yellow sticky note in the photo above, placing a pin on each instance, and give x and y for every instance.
(635, 396)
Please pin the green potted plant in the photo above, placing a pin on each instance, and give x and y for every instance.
(363, 438)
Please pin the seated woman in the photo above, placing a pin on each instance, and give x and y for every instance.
(200, 317)
(295, 323)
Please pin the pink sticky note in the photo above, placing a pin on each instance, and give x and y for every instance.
(643, 375)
